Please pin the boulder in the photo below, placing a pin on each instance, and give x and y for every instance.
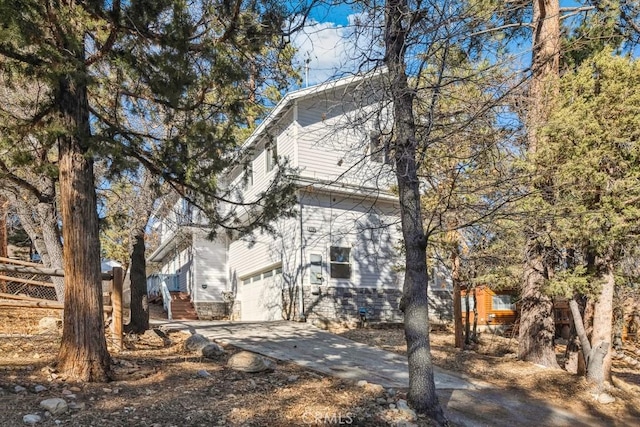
(246, 361)
(212, 351)
(55, 406)
(48, 325)
(31, 419)
(196, 342)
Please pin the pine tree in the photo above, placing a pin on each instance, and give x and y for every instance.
(108, 71)
(594, 132)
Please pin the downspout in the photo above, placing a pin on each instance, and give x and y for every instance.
(301, 313)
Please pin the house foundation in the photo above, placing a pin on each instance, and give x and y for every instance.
(326, 304)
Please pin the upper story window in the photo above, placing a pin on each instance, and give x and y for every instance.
(271, 154)
(379, 149)
(249, 173)
(340, 259)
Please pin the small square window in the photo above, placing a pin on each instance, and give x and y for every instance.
(340, 259)
(379, 149)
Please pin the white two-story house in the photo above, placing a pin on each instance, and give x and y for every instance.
(338, 258)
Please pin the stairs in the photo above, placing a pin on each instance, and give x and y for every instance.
(181, 307)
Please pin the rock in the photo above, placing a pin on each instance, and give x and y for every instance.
(66, 392)
(362, 383)
(392, 406)
(31, 419)
(381, 401)
(376, 388)
(19, 389)
(48, 325)
(78, 406)
(39, 388)
(212, 351)
(402, 404)
(203, 374)
(54, 405)
(391, 392)
(246, 361)
(292, 378)
(196, 342)
(606, 398)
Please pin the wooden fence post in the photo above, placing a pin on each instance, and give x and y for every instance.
(116, 302)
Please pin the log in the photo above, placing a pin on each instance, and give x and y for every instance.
(18, 262)
(33, 303)
(27, 281)
(56, 272)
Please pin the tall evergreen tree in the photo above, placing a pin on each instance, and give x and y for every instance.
(594, 132)
(107, 70)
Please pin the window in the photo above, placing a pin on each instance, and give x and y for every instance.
(250, 175)
(502, 302)
(379, 149)
(271, 152)
(315, 269)
(463, 303)
(340, 262)
(267, 274)
(256, 277)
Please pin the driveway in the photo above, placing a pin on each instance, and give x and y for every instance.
(467, 402)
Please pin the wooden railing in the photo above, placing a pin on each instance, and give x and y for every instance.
(19, 288)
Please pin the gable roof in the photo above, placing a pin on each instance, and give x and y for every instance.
(276, 113)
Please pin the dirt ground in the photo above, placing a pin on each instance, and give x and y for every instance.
(159, 384)
(494, 360)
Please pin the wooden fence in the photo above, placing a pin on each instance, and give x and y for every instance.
(26, 284)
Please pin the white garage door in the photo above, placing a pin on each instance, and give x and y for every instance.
(261, 301)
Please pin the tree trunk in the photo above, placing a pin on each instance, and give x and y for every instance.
(603, 328)
(457, 299)
(467, 323)
(48, 217)
(4, 206)
(537, 327)
(42, 228)
(4, 250)
(422, 391)
(83, 352)
(474, 334)
(139, 322)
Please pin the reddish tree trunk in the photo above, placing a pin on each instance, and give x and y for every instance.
(83, 352)
(537, 327)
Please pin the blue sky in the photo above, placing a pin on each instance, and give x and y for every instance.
(327, 43)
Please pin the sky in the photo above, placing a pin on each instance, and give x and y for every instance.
(327, 44)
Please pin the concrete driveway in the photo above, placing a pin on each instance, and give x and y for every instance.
(316, 349)
(466, 401)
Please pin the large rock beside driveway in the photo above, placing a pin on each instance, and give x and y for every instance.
(246, 361)
(196, 342)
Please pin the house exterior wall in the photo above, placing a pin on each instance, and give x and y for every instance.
(210, 277)
(367, 229)
(489, 317)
